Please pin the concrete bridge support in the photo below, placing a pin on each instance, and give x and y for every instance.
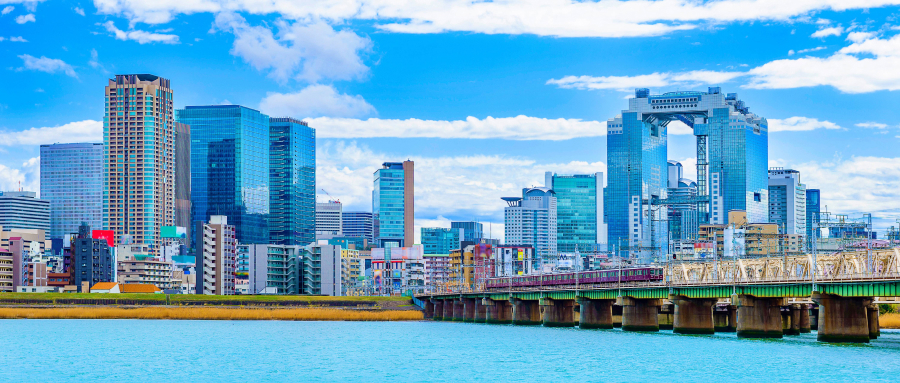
(428, 309)
(497, 312)
(457, 310)
(666, 316)
(617, 316)
(438, 305)
(639, 314)
(480, 311)
(558, 312)
(792, 319)
(693, 316)
(448, 310)
(814, 317)
(595, 313)
(874, 326)
(804, 319)
(842, 319)
(468, 309)
(525, 313)
(758, 317)
(725, 318)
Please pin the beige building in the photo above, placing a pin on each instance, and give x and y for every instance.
(138, 141)
(760, 239)
(350, 271)
(216, 256)
(135, 264)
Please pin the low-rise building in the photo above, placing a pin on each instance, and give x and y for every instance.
(398, 270)
(350, 272)
(138, 264)
(272, 269)
(437, 272)
(216, 256)
(321, 270)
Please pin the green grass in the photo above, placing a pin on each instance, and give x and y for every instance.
(191, 297)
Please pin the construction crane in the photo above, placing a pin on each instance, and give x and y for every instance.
(330, 198)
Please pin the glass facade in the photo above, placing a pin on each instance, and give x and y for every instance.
(357, 224)
(292, 173)
(388, 204)
(438, 240)
(576, 211)
(472, 231)
(72, 180)
(813, 208)
(230, 167)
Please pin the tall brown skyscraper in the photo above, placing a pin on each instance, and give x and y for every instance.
(139, 158)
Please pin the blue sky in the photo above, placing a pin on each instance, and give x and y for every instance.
(485, 97)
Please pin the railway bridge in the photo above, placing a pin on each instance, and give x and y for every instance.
(757, 298)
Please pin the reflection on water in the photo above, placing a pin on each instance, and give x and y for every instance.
(149, 351)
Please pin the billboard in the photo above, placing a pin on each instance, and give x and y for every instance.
(108, 235)
(173, 232)
(377, 277)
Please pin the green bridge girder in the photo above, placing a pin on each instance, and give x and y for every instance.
(795, 290)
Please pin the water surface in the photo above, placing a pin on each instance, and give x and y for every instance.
(247, 351)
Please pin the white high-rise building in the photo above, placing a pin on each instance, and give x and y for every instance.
(787, 201)
(531, 220)
(329, 220)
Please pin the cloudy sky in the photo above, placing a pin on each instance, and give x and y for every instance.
(484, 96)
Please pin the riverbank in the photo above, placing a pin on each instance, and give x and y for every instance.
(889, 320)
(208, 313)
(287, 301)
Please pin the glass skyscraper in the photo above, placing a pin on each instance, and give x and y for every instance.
(230, 167)
(72, 180)
(292, 174)
(392, 204)
(439, 240)
(813, 209)
(577, 197)
(357, 224)
(472, 231)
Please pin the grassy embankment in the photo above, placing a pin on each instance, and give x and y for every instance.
(207, 313)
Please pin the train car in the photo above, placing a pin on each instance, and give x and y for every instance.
(636, 274)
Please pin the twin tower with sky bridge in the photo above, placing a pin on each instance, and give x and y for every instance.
(732, 166)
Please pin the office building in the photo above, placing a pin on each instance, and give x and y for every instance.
(357, 224)
(739, 238)
(438, 240)
(579, 211)
(472, 231)
(321, 270)
(351, 273)
(72, 182)
(139, 157)
(183, 180)
(273, 269)
(329, 220)
(136, 264)
(531, 220)
(92, 260)
(393, 209)
(398, 270)
(512, 260)
(292, 174)
(216, 256)
(230, 167)
(683, 218)
(787, 201)
(813, 209)
(23, 210)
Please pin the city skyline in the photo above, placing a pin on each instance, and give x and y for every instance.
(838, 134)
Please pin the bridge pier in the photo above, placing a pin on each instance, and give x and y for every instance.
(557, 312)
(725, 319)
(468, 309)
(497, 312)
(617, 316)
(525, 313)
(595, 313)
(758, 317)
(874, 326)
(842, 319)
(428, 309)
(457, 313)
(666, 316)
(639, 314)
(693, 316)
(480, 311)
(788, 322)
(448, 310)
(804, 323)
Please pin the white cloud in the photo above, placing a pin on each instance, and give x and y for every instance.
(7, 9)
(18, 39)
(27, 176)
(304, 51)
(79, 131)
(25, 18)
(509, 128)
(872, 125)
(825, 32)
(857, 185)
(679, 128)
(796, 124)
(315, 101)
(44, 64)
(564, 18)
(142, 37)
(654, 80)
(802, 51)
(453, 187)
(79, 11)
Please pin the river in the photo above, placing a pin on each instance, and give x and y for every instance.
(250, 351)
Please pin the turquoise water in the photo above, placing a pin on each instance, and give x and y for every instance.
(249, 351)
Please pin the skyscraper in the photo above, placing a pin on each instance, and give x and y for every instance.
(183, 179)
(139, 157)
(531, 220)
(439, 240)
(23, 210)
(393, 209)
(787, 201)
(329, 220)
(72, 181)
(813, 209)
(579, 211)
(292, 175)
(357, 224)
(472, 231)
(230, 167)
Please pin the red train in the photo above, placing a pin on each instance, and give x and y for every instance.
(638, 274)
